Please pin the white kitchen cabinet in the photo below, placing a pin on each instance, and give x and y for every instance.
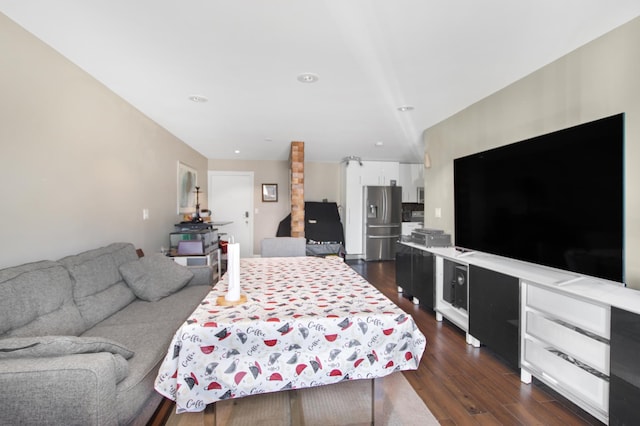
(379, 173)
(411, 178)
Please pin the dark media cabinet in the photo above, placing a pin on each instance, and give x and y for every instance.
(577, 334)
(414, 274)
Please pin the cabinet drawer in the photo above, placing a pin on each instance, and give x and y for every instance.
(588, 316)
(591, 389)
(588, 350)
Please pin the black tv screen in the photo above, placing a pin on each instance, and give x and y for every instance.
(555, 200)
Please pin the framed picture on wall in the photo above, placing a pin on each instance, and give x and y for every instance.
(269, 192)
(187, 182)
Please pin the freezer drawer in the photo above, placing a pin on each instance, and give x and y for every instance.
(391, 230)
(381, 247)
(380, 241)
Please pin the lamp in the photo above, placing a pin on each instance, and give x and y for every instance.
(196, 216)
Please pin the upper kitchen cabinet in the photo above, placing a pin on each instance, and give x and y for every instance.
(412, 183)
(379, 173)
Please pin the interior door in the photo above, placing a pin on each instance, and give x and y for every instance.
(231, 200)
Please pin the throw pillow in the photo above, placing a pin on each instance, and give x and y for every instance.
(49, 346)
(154, 277)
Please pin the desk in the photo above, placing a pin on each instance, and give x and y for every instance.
(308, 322)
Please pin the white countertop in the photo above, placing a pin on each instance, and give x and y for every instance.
(595, 290)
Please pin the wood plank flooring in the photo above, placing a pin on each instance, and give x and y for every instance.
(460, 384)
(463, 385)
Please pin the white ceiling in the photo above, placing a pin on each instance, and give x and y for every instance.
(372, 56)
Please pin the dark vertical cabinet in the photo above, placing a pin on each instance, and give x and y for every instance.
(624, 378)
(415, 274)
(422, 264)
(494, 314)
(403, 269)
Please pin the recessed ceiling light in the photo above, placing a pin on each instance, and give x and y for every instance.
(379, 143)
(405, 108)
(237, 151)
(308, 77)
(198, 98)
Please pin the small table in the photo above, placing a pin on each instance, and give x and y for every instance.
(208, 259)
(308, 322)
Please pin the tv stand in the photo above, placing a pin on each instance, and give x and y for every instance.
(553, 325)
(464, 253)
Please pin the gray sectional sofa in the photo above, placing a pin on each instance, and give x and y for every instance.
(81, 338)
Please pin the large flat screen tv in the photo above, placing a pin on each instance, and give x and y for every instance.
(555, 200)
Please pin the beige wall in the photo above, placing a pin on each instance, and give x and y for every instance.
(77, 163)
(322, 181)
(596, 80)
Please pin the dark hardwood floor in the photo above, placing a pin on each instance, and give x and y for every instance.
(463, 385)
(460, 384)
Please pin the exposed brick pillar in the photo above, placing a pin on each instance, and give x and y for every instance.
(297, 189)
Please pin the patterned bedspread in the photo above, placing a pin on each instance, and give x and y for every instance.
(308, 321)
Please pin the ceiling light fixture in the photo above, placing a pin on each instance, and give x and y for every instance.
(405, 108)
(352, 158)
(198, 98)
(237, 151)
(379, 143)
(308, 77)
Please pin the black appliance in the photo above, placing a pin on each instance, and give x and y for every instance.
(455, 284)
(382, 221)
(322, 228)
(430, 237)
(555, 200)
(412, 212)
(460, 284)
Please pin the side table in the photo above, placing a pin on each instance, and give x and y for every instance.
(209, 259)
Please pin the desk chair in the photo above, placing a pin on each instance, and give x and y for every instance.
(283, 247)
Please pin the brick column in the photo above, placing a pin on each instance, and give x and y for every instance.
(297, 189)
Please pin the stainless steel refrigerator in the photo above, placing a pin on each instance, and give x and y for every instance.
(382, 221)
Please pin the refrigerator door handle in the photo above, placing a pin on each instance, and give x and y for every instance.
(385, 205)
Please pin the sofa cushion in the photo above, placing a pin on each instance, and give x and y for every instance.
(37, 299)
(155, 277)
(146, 328)
(98, 288)
(47, 346)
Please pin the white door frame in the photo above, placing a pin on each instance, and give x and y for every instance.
(250, 221)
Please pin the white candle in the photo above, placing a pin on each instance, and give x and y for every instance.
(233, 272)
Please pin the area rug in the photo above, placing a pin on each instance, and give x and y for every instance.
(343, 404)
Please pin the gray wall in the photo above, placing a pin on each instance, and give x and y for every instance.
(322, 180)
(78, 164)
(594, 81)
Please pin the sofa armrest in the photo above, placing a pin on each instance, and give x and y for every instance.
(202, 275)
(71, 389)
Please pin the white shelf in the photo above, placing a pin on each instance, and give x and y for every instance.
(457, 316)
(570, 341)
(585, 389)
